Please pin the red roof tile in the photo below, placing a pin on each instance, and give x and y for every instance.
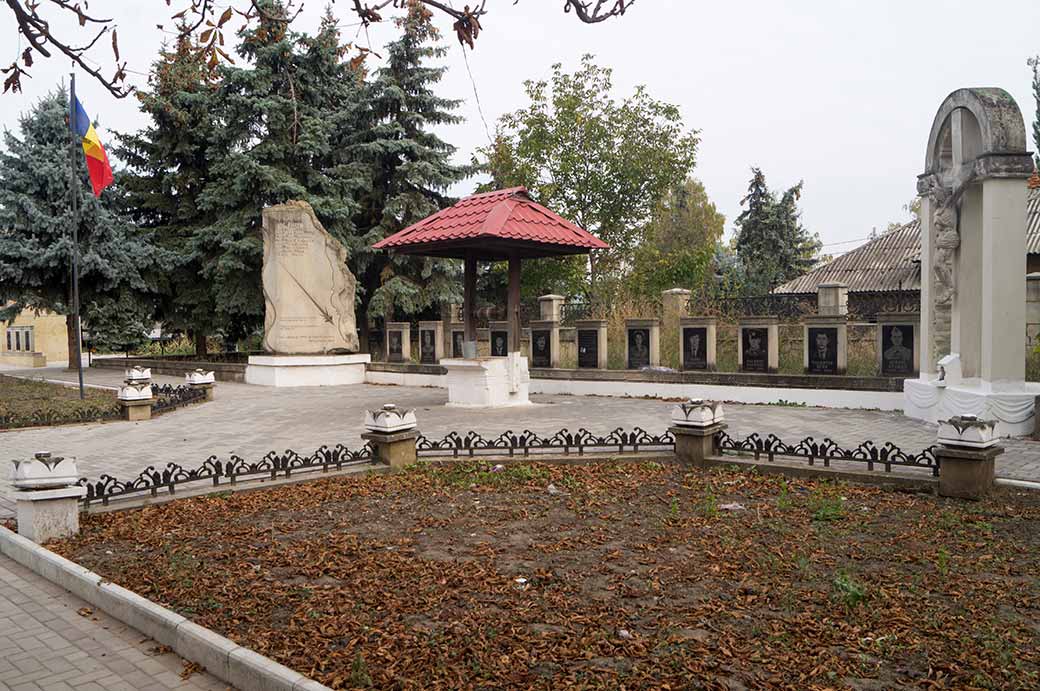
(505, 216)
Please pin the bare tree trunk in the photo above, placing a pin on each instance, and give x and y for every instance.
(200, 342)
(70, 330)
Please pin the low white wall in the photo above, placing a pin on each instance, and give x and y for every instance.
(826, 398)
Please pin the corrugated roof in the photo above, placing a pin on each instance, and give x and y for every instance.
(508, 215)
(891, 262)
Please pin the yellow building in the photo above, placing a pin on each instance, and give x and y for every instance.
(31, 340)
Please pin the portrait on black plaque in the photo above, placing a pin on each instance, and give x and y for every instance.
(638, 348)
(427, 346)
(375, 343)
(823, 351)
(755, 347)
(897, 349)
(456, 343)
(695, 347)
(541, 349)
(499, 343)
(588, 348)
(395, 345)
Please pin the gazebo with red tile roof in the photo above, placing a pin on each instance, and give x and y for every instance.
(504, 225)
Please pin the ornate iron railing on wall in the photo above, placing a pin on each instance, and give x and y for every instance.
(887, 455)
(867, 304)
(529, 443)
(864, 305)
(216, 471)
(169, 397)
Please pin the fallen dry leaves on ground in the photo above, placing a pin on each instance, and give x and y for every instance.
(631, 576)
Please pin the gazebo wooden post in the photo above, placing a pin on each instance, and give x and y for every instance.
(513, 303)
(469, 297)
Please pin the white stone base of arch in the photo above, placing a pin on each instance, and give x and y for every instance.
(1011, 406)
(306, 370)
(489, 382)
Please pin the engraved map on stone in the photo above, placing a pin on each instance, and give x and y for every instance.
(308, 289)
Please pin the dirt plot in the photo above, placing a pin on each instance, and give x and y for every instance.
(630, 576)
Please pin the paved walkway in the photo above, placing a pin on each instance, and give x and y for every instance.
(250, 421)
(47, 644)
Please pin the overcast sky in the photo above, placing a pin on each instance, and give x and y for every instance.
(838, 93)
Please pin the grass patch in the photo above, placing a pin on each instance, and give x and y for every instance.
(34, 402)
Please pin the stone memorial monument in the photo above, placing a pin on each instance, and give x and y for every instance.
(591, 335)
(758, 349)
(309, 326)
(642, 343)
(973, 266)
(698, 343)
(431, 342)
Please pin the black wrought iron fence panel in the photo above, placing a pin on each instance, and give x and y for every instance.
(888, 455)
(571, 312)
(48, 418)
(168, 397)
(529, 443)
(870, 303)
(217, 471)
(783, 305)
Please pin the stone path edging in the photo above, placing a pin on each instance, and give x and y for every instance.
(222, 657)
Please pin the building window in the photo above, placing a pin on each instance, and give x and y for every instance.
(19, 339)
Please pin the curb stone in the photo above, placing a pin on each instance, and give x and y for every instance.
(223, 658)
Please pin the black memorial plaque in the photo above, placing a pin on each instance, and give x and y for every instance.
(755, 349)
(638, 348)
(823, 350)
(695, 347)
(457, 337)
(396, 339)
(499, 343)
(428, 346)
(588, 348)
(897, 349)
(375, 344)
(541, 348)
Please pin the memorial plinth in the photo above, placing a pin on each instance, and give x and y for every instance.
(307, 370)
(491, 382)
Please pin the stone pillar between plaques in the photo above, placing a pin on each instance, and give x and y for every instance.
(758, 349)
(498, 338)
(825, 345)
(398, 341)
(591, 336)
(545, 343)
(642, 343)
(899, 344)
(392, 432)
(550, 307)
(431, 342)
(832, 299)
(674, 306)
(697, 343)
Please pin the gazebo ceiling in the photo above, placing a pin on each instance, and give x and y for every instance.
(493, 226)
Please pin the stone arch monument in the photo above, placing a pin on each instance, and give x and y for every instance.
(973, 264)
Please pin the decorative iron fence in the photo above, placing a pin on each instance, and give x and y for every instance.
(58, 416)
(783, 305)
(867, 304)
(151, 480)
(530, 443)
(887, 455)
(169, 397)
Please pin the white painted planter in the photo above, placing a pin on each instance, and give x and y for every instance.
(135, 392)
(389, 419)
(199, 377)
(968, 430)
(698, 413)
(138, 374)
(44, 471)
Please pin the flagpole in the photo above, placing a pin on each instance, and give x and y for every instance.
(74, 192)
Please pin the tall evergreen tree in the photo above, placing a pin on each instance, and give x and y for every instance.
(117, 264)
(410, 173)
(284, 122)
(771, 241)
(169, 167)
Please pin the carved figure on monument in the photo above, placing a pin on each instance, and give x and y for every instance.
(308, 289)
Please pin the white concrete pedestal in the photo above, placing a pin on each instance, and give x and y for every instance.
(1011, 406)
(491, 382)
(48, 513)
(306, 370)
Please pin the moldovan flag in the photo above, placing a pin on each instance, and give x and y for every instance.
(97, 160)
